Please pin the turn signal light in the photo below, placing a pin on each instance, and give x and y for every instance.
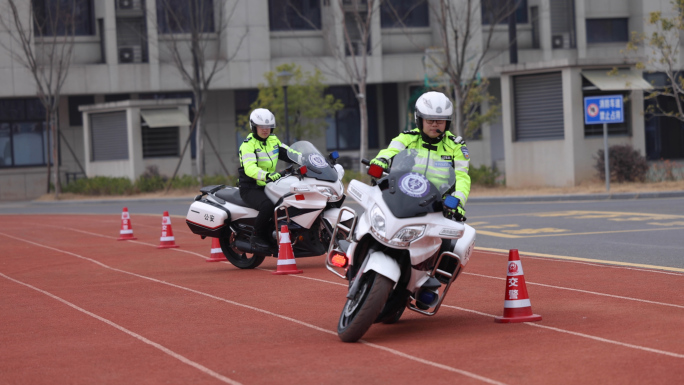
(339, 260)
(302, 170)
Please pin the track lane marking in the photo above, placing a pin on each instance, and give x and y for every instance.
(579, 259)
(600, 339)
(296, 321)
(137, 336)
(638, 347)
(501, 235)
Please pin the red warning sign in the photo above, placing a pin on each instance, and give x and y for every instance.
(592, 110)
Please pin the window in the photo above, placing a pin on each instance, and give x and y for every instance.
(160, 142)
(243, 101)
(185, 16)
(23, 137)
(75, 116)
(607, 30)
(344, 129)
(191, 112)
(399, 13)
(287, 15)
(497, 11)
(61, 17)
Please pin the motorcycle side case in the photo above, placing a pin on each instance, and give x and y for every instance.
(464, 246)
(207, 219)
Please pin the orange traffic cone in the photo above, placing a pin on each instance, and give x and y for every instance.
(286, 260)
(166, 240)
(126, 232)
(517, 306)
(216, 252)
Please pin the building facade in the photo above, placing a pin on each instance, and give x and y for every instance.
(121, 52)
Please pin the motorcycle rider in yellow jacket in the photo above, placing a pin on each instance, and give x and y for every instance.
(259, 155)
(433, 113)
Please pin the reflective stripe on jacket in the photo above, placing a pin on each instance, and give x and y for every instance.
(258, 158)
(450, 148)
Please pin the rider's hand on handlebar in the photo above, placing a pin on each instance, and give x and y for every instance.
(273, 176)
(457, 212)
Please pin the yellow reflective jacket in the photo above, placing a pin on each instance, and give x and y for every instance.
(258, 158)
(450, 148)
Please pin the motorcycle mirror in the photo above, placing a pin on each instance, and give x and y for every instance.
(451, 202)
(375, 171)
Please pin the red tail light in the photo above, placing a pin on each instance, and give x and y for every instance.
(299, 197)
(375, 171)
(339, 259)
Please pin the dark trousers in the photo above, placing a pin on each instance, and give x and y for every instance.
(256, 198)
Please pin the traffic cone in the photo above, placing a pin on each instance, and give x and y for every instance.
(286, 260)
(216, 252)
(166, 240)
(517, 306)
(126, 232)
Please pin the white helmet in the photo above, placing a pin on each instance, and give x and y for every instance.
(433, 105)
(261, 117)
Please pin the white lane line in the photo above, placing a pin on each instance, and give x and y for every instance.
(389, 350)
(585, 291)
(593, 262)
(164, 349)
(600, 339)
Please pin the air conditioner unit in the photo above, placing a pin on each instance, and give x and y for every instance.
(557, 41)
(130, 54)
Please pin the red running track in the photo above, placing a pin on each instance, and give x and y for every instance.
(79, 307)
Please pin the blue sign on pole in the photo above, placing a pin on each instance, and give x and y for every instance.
(603, 109)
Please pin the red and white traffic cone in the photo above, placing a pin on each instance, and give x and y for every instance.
(216, 252)
(286, 260)
(166, 240)
(126, 232)
(517, 306)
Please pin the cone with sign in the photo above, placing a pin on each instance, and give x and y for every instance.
(126, 232)
(166, 240)
(286, 260)
(517, 306)
(216, 252)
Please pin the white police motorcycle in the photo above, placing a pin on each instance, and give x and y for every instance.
(307, 199)
(406, 248)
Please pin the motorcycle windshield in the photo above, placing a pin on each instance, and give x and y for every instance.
(317, 166)
(417, 181)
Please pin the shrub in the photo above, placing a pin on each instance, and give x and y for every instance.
(665, 170)
(483, 175)
(626, 164)
(101, 185)
(150, 180)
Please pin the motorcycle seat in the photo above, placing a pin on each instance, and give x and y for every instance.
(232, 195)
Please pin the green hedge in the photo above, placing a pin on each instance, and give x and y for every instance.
(146, 183)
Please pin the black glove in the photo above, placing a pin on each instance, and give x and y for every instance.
(453, 209)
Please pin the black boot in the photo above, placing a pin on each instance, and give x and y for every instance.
(259, 244)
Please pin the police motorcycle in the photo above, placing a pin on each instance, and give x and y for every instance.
(307, 199)
(405, 250)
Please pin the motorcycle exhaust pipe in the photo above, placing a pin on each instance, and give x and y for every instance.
(244, 246)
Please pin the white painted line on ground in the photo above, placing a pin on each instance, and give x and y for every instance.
(164, 349)
(386, 349)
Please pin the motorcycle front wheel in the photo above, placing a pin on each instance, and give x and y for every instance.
(360, 312)
(237, 257)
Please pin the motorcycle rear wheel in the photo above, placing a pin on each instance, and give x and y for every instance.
(237, 257)
(359, 312)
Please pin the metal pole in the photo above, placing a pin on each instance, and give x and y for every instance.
(287, 121)
(605, 155)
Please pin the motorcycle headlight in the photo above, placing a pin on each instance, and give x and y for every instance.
(329, 192)
(377, 220)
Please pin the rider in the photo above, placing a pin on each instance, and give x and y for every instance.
(259, 155)
(433, 117)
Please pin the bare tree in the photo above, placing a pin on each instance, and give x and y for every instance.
(42, 41)
(661, 49)
(187, 26)
(467, 45)
(350, 44)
